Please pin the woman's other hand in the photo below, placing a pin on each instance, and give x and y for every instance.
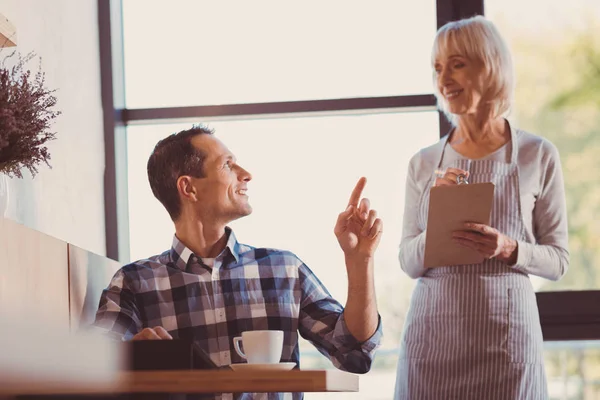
(488, 242)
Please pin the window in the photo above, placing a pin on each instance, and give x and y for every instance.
(572, 369)
(212, 52)
(267, 52)
(556, 50)
(293, 162)
(337, 50)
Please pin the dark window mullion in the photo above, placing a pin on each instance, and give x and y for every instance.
(113, 98)
(108, 87)
(277, 109)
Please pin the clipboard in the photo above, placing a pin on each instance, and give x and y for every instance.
(449, 208)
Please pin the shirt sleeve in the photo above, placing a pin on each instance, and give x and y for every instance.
(117, 313)
(549, 256)
(412, 244)
(321, 322)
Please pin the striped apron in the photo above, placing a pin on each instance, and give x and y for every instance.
(473, 331)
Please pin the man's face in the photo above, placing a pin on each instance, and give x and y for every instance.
(222, 191)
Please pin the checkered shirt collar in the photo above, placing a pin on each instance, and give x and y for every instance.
(181, 255)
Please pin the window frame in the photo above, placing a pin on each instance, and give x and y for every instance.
(564, 315)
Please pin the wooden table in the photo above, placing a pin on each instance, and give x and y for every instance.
(195, 381)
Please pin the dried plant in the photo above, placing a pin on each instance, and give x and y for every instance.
(25, 117)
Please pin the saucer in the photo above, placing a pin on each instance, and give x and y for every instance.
(284, 366)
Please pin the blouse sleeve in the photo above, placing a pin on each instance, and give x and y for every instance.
(549, 256)
(412, 244)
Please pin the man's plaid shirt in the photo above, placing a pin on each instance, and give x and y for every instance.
(247, 289)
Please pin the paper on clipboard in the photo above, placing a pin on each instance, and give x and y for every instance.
(449, 208)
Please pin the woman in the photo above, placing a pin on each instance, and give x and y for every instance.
(473, 331)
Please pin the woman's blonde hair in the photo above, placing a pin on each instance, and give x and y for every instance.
(478, 40)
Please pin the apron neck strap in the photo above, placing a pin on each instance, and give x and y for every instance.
(514, 147)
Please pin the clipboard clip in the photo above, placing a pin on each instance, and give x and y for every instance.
(461, 179)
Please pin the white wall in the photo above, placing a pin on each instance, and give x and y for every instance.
(66, 201)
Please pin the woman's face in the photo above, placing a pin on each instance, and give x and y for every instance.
(460, 82)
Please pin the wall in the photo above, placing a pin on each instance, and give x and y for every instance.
(45, 307)
(66, 201)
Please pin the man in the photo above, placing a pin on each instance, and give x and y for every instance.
(210, 288)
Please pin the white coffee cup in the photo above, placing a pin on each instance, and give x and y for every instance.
(260, 347)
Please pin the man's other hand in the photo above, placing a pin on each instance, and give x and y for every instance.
(156, 333)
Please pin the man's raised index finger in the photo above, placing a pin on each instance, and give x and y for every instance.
(355, 196)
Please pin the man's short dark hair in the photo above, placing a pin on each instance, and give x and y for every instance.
(173, 157)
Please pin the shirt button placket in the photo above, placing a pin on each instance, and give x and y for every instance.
(220, 317)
